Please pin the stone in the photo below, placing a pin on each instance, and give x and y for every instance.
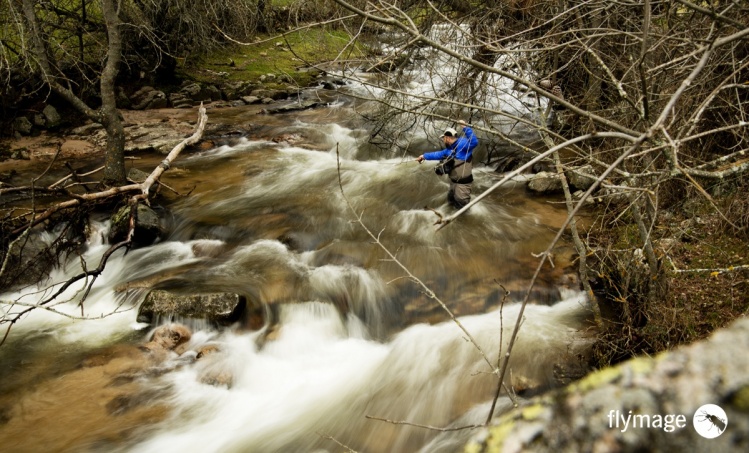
(232, 91)
(51, 116)
(168, 337)
(137, 175)
(148, 227)
(180, 101)
(149, 98)
(213, 93)
(217, 308)
(545, 182)
(581, 178)
(293, 107)
(22, 125)
(275, 95)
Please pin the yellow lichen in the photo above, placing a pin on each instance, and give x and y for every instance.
(497, 434)
(595, 380)
(741, 399)
(532, 412)
(641, 365)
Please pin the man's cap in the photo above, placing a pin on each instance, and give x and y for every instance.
(449, 132)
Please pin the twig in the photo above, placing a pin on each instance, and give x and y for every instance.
(499, 352)
(435, 428)
(329, 437)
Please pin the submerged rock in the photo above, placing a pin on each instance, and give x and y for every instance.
(168, 337)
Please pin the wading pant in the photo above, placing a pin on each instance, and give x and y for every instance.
(461, 178)
(459, 194)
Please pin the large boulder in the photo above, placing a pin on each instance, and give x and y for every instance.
(669, 392)
(180, 101)
(293, 106)
(217, 308)
(233, 91)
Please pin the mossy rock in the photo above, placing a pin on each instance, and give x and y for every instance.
(148, 226)
(217, 308)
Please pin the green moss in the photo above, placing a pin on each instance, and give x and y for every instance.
(273, 55)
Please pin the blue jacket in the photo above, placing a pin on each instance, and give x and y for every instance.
(463, 147)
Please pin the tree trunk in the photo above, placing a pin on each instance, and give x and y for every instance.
(107, 115)
(114, 164)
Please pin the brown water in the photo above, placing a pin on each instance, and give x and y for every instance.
(356, 337)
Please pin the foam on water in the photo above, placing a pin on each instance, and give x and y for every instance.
(319, 377)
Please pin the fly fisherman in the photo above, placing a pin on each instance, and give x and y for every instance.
(461, 149)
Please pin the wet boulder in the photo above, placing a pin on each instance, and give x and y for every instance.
(148, 226)
(293, 106)
(214, 367)
(218, 308)
(168, 338)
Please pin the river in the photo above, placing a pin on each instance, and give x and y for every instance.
(355, 339)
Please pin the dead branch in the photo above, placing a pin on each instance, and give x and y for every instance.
(167, 162)
(142, 187)
(90, 276)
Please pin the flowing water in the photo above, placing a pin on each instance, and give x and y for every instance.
(354, 339)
